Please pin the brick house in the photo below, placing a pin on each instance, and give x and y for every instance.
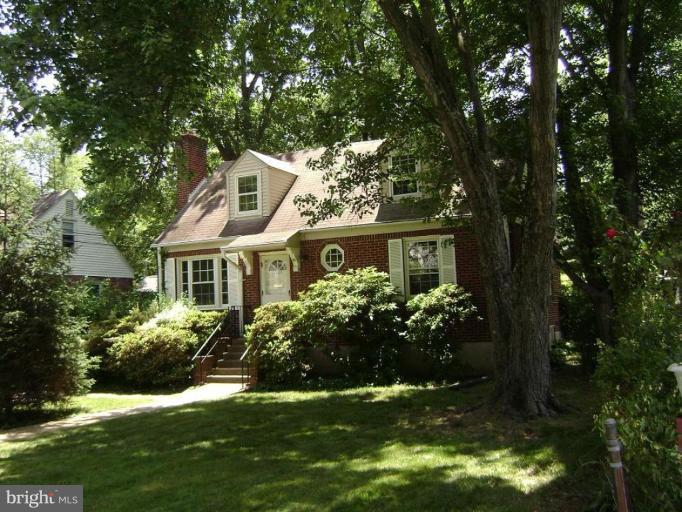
(238, 240)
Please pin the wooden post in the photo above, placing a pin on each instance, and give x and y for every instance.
(615, 448)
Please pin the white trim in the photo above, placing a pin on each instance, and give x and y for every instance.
(259, 193)
(417, 170)
(208, 243)
(323, 254)
(406, 268)
(217, 279)
(264, 256)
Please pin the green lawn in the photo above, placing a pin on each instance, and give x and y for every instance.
(92, 402)
(396, 448)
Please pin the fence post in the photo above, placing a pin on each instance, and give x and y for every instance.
(615, 449)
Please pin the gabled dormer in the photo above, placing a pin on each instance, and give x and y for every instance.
(403, 171)
(256, 185)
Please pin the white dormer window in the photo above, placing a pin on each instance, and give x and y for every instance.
(68, 208)
(403, 170)
(248, 189)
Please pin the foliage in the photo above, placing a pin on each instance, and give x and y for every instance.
(17, 193)
(49, 166)
(578, 324)
(642, 396)
(41, 357)
(354, 317)
(154, 357)
(156, 351)
(434, 318)
(110, 302)
(274, 334)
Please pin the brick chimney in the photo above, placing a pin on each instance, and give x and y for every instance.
(193, 168)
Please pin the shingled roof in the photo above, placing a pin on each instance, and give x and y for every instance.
(47, 201)
(204, 217)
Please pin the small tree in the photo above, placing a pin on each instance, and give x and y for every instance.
(41, 356)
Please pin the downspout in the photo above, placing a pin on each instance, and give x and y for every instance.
(159, 274)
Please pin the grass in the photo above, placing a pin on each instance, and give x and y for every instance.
(394, 448)
(91, 402)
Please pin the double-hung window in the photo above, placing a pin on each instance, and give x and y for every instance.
(203, 282)
(247, 194)
(68, 234)
(224, 281)
(403, 170)
(422, 265)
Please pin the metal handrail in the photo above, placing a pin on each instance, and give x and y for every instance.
(217, 329)
(242, 360)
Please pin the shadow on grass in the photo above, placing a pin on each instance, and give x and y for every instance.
(397, 448)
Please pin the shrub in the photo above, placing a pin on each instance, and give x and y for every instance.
(41, 356)
(158, 356)
(156, 351)
(354, 315)
(282, 352)
(433, 321)
(111, 302)
(640, 393)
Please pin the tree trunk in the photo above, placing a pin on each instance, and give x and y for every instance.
(621, 112)
(518, 299)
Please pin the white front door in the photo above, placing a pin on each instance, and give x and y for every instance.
(274, 277)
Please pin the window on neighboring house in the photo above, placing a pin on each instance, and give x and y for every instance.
(403, 170)
(184, 278)
(332, 257)
(68, 208)
(223, 281)
(203, 283)
(68, 238)
(247, 193)
(422, 265)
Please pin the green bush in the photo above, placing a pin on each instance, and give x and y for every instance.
(275, 335)
(641, 395)
(159, 356)
(434, 318)
(111, 302)
(156, 351)
(354, 316)
(41, 355)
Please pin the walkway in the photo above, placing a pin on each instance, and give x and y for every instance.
(204, 393)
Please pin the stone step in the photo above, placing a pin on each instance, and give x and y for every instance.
(225, 379)
(227, 371)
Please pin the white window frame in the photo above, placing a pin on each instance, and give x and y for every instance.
(72, 233)
(237, 195)
(323, 255)
(406, 266)
(417, 170)
(217, 280)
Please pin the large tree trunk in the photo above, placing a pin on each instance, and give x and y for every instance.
(517, 299)
(621, 109)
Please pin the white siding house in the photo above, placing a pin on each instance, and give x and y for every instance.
(93, 256)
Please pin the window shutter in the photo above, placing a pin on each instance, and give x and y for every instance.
(446, 253)
(169, 277)
(234, 284)
(395, 265)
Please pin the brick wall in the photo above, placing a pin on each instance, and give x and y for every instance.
(194, 169)
(367, 250)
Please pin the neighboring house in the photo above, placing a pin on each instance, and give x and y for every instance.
(92, 257)
(238, 240)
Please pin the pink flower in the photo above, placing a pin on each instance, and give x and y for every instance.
(611, 233)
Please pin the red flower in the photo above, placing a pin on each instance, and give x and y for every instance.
(611, 233)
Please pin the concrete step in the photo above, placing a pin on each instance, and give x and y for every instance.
(226, 379)
(229, 363)
(227, 371)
